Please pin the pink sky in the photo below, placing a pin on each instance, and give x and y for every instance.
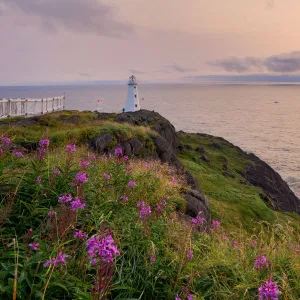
(45, 41)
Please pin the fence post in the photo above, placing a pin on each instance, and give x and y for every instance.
(9, 107)
(26, 107)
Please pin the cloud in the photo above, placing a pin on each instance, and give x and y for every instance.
(239, 65)
(75, 15)
(177, 68)
(282, 63)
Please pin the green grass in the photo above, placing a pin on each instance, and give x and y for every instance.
(231, 199)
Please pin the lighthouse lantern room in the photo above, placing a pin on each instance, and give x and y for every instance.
(133, 102)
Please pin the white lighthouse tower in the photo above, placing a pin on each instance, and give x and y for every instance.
(133, 102)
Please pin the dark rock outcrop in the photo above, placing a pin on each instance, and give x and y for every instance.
(200, 150)
(101, 142)
(262, 175)
(197, 203)
(153, 120)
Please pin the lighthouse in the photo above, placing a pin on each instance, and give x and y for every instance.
(133, 102)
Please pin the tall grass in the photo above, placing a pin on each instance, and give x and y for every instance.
(162, 254)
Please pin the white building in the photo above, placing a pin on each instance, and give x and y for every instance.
(133, 102)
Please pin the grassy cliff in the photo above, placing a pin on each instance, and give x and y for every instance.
(75, 224)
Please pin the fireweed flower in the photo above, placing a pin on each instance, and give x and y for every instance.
(190, 254)
(84, 164)
(253, 243)
(125, 157)
(261, 263)
(118, 151)
(147, 165)
(65, 199)
(131, 183)
(106, 176)
(6, 141)
(17, 154)
(161, 205)
(92, 157)
(56, 172)
(34, 245)
(190, 297)
(71, 148)
(152, 258)
(174, 180)
(80, 178)
(44, 143)
(80, 235)
(177, 298)
(268, 291)
(38, 180)
(102, 249)
(60, 259)
(124, 198)
(51, 212)
(77, 204)
(144, 209)
(235, 244)
(198, 221)
(215, 224)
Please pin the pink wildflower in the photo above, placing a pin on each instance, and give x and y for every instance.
(106, 176)
(51, 212)
(124, 198)
(59, 260)
(84, 164)
(71, 148)
(152, 258)
(215, 224)
(131, 183)
(177, 298)
(65, 199)
(174, 180)
(144, 209)
(261, 263)
(38, 180)
(34, 245)
(190, 297)
(103, 249)
(6, 140)
(235, 244)
(92, 157)
(190, 254)
(268, 291)
(17, 154)
(125, 157)
(81, 177)
(198, 221)
(161, 205)
(77, 204)
(56, 172)
(80, 235)
(118, 151)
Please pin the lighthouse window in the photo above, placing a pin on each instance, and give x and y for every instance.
(135, 96)
(135, 87)
(136, 105)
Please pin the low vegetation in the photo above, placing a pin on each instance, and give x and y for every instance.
(79, 225)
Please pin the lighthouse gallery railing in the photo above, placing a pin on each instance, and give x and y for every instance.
(30, 107)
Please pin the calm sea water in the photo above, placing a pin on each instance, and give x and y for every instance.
(246, 115)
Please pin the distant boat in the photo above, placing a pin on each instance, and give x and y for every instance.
(276, 102)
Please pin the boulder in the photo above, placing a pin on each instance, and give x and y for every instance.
(192, 181)
(200, 150)
(100, 143)
(136, 146)
(197, 203)
(154, 120)
(260, 174)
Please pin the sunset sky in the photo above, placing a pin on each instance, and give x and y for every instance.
(48, 41)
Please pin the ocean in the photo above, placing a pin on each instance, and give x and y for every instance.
(263, 119)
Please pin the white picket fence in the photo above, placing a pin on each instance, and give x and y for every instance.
(30, 107)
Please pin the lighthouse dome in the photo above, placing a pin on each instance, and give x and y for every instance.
(132, 80)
